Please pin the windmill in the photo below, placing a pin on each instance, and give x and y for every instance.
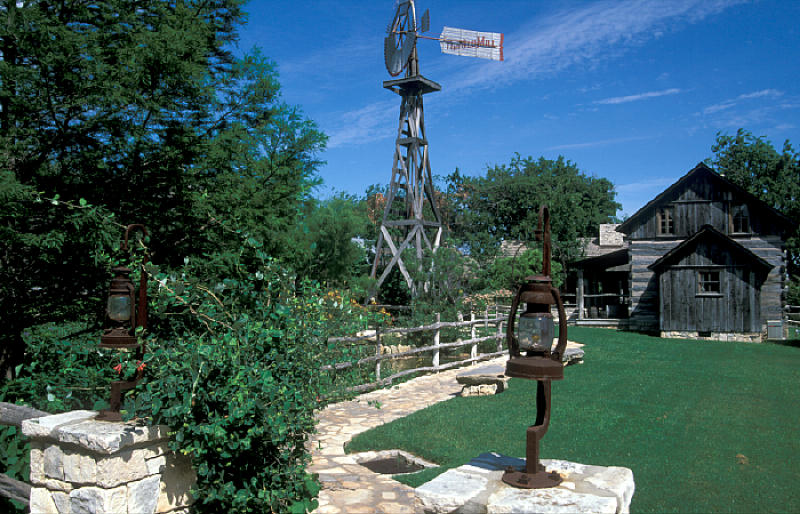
(411, 186)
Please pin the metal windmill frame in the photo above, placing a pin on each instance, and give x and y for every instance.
(404, 224)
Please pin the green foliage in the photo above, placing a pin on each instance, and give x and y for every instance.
(233, 368)
(753, 163)
(510, 272)
(793, 294)
(504, 205)
(63, 370)
(324, 244)
(137, 112)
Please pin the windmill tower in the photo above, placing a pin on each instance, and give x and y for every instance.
(410, 196)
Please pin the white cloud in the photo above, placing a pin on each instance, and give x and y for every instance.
(759, 94)
(579, 36)
(369, 123)
(727, 104)
(602, 142)
(644, 185)
(640, 96)
(547, 45)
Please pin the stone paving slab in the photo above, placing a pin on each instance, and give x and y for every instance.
(349, 488)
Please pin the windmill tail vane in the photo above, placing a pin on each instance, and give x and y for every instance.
(471, 43)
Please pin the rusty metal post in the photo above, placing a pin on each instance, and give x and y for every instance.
(539, 362)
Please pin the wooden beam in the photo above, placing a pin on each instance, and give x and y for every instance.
(13, 415)
(14, 489)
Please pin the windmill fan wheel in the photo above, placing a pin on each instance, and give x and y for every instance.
(401, 39)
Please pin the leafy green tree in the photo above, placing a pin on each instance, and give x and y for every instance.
(114, 112)
(504, 205)
(753, 163)
(332, 241)
(510, 272)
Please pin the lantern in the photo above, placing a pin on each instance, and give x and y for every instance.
(534, 336)
(123, 317)
(120, 312)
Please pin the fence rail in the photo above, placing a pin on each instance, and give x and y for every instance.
(376, 339)
(14, 415)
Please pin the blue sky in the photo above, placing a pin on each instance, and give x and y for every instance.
(634, 91)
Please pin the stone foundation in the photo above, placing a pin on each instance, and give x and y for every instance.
(477, 487)
(747, 337)
(83, 466)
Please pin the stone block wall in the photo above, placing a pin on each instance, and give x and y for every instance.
(714, 336)
(83, 466)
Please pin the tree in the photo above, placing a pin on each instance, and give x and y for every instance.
(331, 244)
(114, 112)
(755, 165)
(504, 205)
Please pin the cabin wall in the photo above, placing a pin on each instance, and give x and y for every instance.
(643, 286)
(735, 309)
(649, 313)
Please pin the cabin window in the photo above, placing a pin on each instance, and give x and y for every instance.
(666, 221)
(708, 282)
(740, 221)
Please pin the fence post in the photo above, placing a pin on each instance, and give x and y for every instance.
(499, 335)
(486, 323)
(436, 342)
(378, 352)
(473, 353)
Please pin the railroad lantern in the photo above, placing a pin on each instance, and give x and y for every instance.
(534, 336)
(120, 312)
(123, 317)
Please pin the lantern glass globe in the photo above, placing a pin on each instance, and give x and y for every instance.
(536, 332)
(119, 308)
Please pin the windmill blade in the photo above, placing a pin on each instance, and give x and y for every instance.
(471, 43)
(396, 58)
(425, 24)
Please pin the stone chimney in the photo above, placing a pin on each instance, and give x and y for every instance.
(609, 235)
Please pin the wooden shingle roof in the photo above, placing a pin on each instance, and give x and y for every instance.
(701, 169)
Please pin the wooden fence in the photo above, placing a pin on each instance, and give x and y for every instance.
(792, 320)
(14, 415)
(435, 348)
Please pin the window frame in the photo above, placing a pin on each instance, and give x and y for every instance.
(741, 213)
(665, 216)
(706, 282)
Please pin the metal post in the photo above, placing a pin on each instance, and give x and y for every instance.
(436, 342)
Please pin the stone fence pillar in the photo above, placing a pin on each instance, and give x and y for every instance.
(83, 466)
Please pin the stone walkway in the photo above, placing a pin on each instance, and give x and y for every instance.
(349, 488)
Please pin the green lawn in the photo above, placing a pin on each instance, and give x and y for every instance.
(705, 426)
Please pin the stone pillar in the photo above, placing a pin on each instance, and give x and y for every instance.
(83, 466)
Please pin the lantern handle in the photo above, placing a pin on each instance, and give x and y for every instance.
(562, 327)
(542, 234)
(141, 312)
(129, 229)
(511, 341)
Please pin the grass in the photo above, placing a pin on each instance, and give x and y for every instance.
(705, 426)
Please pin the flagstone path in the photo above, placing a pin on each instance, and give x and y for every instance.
(349, 488)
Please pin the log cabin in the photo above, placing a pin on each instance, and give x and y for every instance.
(707, 260)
